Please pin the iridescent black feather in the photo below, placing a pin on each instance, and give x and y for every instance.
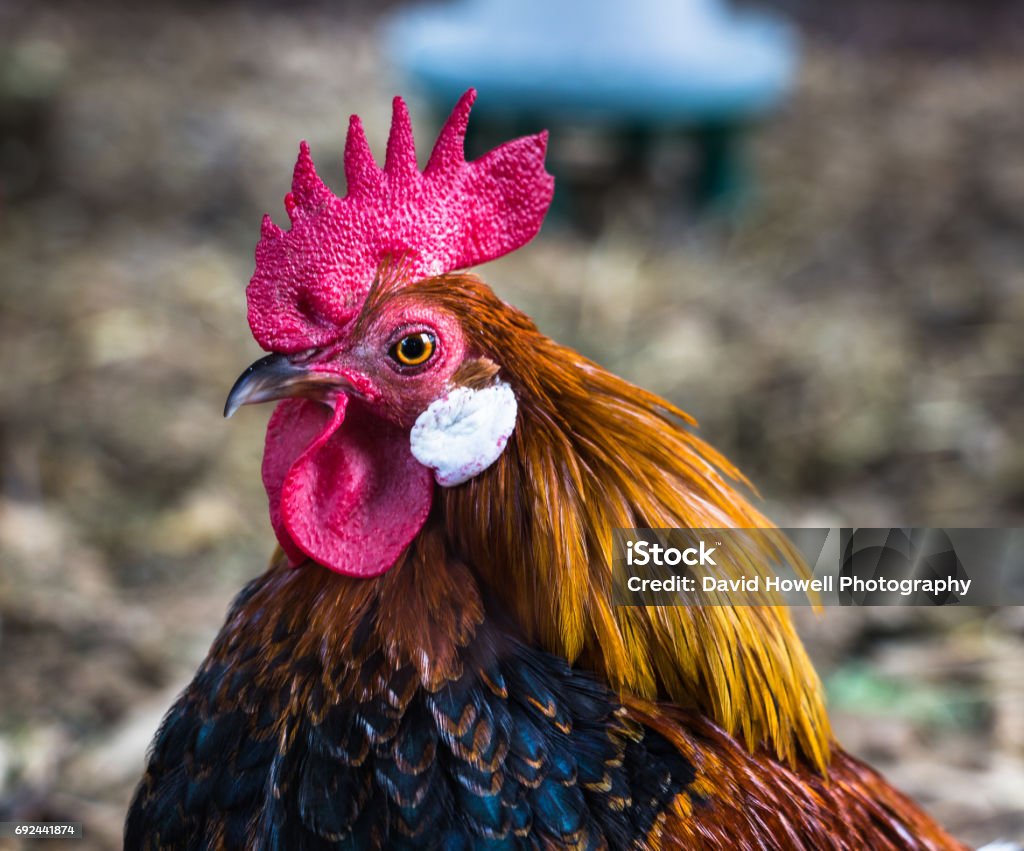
(519, 751)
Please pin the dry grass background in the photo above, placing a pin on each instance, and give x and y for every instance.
(854, 338)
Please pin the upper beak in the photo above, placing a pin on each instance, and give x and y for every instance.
(276, 377)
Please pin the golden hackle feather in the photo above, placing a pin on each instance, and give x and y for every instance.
(592, 453)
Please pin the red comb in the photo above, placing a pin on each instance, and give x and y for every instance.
(311, 280)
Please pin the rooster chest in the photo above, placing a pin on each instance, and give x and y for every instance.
(518, 751)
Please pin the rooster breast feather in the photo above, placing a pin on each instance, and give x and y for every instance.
(514, 744)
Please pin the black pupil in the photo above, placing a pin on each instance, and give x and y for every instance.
(413, 347)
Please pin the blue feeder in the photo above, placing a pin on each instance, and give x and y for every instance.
(652, 66)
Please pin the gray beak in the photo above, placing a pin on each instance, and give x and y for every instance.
(276, 377)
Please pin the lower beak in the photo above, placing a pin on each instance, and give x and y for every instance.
(276, 377)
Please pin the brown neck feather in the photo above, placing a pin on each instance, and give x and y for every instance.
(421, 613)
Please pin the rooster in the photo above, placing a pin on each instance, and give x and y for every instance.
(434, 658)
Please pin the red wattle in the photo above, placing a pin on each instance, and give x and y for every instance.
(343, 485)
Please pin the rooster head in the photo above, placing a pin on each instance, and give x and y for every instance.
(379, 404)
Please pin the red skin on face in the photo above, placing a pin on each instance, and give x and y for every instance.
(344, 487)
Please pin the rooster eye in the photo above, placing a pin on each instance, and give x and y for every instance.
(413, 349)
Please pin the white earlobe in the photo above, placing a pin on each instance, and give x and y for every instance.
(461, 434)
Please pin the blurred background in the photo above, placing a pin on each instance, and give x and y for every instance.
(831, 279)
